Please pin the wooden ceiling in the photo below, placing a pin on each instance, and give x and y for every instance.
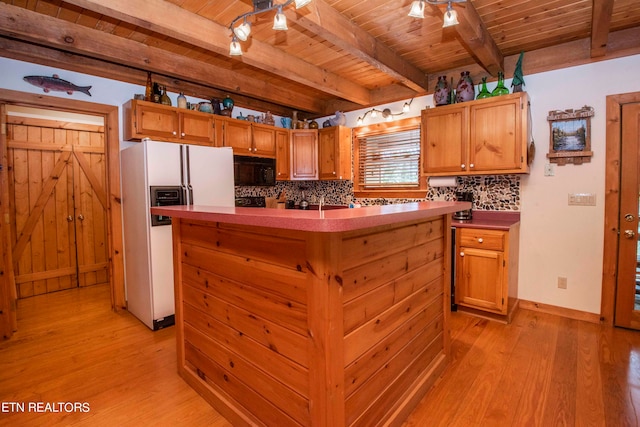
(336, 54)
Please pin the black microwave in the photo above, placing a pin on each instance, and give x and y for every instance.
(254, 171)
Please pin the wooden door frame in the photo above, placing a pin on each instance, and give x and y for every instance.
(612, 202)
(114, 211)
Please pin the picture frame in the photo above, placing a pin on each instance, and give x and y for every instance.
(570, 136)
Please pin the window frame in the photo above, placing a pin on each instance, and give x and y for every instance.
(390, 192)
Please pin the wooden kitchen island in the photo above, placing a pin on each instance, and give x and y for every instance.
(312, 318)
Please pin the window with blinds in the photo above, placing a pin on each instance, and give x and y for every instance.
(390, 160)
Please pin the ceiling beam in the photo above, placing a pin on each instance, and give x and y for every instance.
(33, 27)
(474, 36)
(167, 18)
(29, 52)
(621, 43)
(323, 20)
(600, 21)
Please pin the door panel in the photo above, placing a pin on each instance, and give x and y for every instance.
(49, 190)
(627, 312)
(90, 208)
(39, 178)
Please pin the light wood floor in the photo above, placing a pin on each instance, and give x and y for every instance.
(541, 370)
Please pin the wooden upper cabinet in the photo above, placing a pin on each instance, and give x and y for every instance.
(236, 134)
(444, 140)
(164, 123)
(196, 127)
(488, 136)
(264, 140)
(304, 154)
(283, 160)
(246, 138)
(334, 152)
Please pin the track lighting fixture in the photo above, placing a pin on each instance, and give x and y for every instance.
(241, 32)
(386, 113)
(450, 15)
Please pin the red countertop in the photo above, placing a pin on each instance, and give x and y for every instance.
(495, 220)
(336, 220)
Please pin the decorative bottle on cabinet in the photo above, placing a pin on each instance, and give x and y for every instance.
(157, 93)
(442, 92)
(148, 90)
(484, 92)
(165, 98)
(465, 90)
(501, 89)
(182, 101)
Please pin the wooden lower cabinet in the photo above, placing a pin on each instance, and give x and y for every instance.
(293, 328)
(487, 270)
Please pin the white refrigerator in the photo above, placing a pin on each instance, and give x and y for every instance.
(205, 177)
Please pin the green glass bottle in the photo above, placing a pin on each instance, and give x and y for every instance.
(501, 89)
(484, 92)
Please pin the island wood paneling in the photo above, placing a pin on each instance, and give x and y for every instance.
(284, 327)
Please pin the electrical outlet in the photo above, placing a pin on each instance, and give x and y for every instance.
(549, 169)
(562, 283)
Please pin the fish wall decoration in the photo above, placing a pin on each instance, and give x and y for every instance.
(56, 83)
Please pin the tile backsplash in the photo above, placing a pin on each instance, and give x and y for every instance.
(491, 192)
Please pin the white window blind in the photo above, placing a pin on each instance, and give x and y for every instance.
(390, 160)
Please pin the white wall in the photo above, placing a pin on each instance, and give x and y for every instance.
(556, 239)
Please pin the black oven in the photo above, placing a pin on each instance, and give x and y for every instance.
(260, 171)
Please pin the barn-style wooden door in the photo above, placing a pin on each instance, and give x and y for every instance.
(57, 201)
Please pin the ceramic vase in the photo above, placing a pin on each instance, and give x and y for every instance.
(442, 92)
(465, 90)
(228, 104)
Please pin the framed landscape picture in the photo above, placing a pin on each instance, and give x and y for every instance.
(570, 136)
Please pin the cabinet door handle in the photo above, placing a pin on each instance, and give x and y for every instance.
(462, 166)
(183, 134)
(480, 240)
(175, 133)
(461, 253)
(471, 165)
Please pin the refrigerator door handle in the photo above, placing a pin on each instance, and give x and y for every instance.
(189, 186)
(183, 187)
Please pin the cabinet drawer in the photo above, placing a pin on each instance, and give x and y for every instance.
(482, 239)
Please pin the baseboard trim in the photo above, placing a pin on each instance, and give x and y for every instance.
(560, 311)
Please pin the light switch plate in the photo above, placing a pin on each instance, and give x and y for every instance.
(582, 199)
